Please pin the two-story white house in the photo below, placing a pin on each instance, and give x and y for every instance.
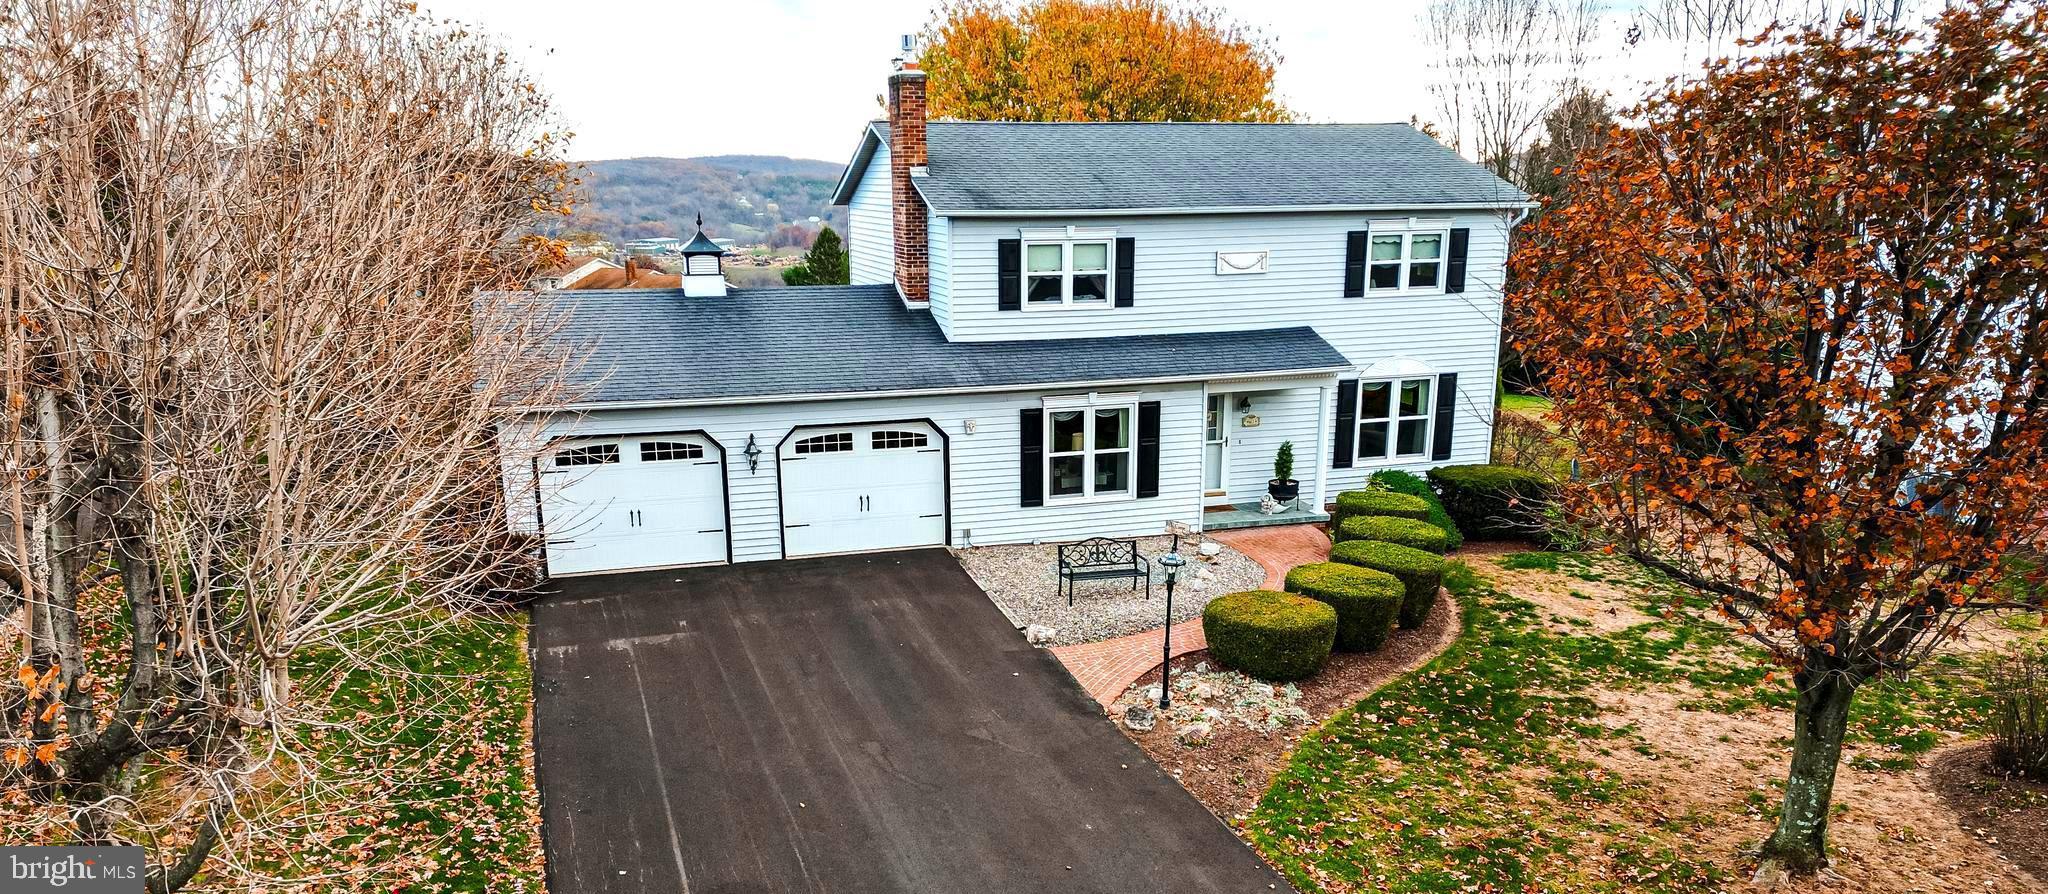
(1054, 331)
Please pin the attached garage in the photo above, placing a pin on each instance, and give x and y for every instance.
(860, 487)
(635, 501)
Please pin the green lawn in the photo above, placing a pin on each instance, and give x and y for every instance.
(1470, 774)
(1526, 404)
(431, 762)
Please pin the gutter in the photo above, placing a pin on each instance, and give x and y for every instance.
(1523, 207)
(818, 397)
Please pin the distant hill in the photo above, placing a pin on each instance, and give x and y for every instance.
(743, 197)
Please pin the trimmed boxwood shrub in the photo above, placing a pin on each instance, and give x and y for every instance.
(1413, 485)
(1380, 502)
(1420, 573)
(1404, 531)
(1367, 601)
(1269, 635)
(1491, 501)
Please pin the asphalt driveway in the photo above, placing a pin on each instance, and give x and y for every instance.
(855, 723)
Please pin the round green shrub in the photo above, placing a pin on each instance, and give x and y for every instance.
(1421, 573)
(1367, 601)
(1380, 502)
(1413, 485)
(1269, 635)
(1404, 531)
(1493, 502)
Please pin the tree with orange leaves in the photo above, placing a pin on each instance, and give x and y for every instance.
(1119, 60)
(1797, 323)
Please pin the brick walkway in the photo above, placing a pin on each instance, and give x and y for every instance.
(1105, 669)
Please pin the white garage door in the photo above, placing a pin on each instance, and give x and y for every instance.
(863, 487)
(641, 501)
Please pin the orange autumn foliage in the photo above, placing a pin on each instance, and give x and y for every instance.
(1797, 324)
(1118, 60)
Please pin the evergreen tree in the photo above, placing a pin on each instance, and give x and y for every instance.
(824, 265)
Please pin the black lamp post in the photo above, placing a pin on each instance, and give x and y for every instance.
(1172, 562)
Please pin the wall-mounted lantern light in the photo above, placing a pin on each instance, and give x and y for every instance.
(753, 453)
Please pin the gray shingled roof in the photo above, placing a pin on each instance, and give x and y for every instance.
(654, 345)
(996, 166)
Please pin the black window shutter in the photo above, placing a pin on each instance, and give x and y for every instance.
(1454, 268)
(1148, 449)
(1031, 457)
(1346, 439)
(1009, 277)
(1354, 264)
(1446, 406)
(1126, 266)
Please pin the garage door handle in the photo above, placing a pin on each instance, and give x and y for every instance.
(806, 525)
(934, 515)
(710, 530)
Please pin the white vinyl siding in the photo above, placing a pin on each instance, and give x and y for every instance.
(984, 464)
(871, 231)
(1176, 289)
(939, 238)
(1288, 415)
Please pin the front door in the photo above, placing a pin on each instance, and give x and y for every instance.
(1216, 450)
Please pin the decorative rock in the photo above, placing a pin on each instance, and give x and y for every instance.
(1039, 634)
(1141, 716)
(1211, 549)
(1195, 734)
(1205, 574)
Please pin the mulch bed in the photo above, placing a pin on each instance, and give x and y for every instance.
(1232, 771)
(2007, 813)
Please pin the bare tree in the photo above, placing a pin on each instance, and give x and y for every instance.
(250, 388)
(1501, 66)
(1704, 28)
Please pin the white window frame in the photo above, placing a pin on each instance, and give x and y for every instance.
(1394, 418)
(1408, 229)
(1066, 238)
(1088, 405)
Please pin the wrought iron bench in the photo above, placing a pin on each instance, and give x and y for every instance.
(1100, 558)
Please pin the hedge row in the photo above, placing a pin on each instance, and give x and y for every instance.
(1491, 501)
(1413, 485)
(1404, 531)
(1368, 602)
(1271, 636)
(1421, 574)
(1380, 502)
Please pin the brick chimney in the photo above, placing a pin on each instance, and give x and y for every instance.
(907, 151)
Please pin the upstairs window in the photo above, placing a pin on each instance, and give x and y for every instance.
(1407, 257)
(1068, 269)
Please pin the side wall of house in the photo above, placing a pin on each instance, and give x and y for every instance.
(871, 231)
(940, 255)
(982, 433)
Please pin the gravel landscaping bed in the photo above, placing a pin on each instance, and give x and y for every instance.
(1024, 581)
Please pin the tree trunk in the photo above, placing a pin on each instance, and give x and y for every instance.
(1799, 846)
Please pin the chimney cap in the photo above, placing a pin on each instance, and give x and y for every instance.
(906, 57)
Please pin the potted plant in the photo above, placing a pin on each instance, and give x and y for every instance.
(1283, 487)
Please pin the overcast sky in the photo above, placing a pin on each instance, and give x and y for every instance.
(797, 77)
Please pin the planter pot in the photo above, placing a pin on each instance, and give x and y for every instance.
(1283, 490)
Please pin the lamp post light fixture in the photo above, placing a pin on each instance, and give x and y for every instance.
(1172, 562)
